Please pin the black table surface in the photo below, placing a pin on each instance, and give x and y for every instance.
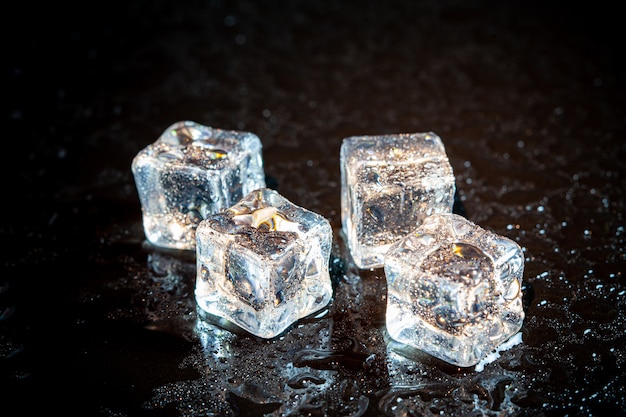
(528, 98)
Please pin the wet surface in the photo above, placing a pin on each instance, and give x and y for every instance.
(529, 100)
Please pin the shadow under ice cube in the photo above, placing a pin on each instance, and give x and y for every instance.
(263, 263)
(389, 183)
(192, 171)
(454, 289)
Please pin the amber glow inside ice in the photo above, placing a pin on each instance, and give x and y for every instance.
(267, 218)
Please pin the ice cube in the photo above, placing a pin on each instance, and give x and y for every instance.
(389, 184)
(192, 171)
(454, 289)
(263, 263)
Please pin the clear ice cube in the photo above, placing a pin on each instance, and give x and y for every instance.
(192, 171)
(454, 289)
(389, 184)
(263, 263)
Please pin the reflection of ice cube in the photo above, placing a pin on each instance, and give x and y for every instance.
(419, 386)
(192, 171)
(242, 370)
(454, 289)
(165, 291)
(263, 263)
(388, 185)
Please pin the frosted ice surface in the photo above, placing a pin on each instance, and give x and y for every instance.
(389, 183)
(192, 171)
(454, 289)
(263, 263)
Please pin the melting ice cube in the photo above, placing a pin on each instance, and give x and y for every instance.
(389, 184)
(190, 172)
(454, 289)
(263, 263)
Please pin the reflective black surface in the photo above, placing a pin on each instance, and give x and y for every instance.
(528, 98)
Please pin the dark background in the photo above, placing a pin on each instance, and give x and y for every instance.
(528, 97)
